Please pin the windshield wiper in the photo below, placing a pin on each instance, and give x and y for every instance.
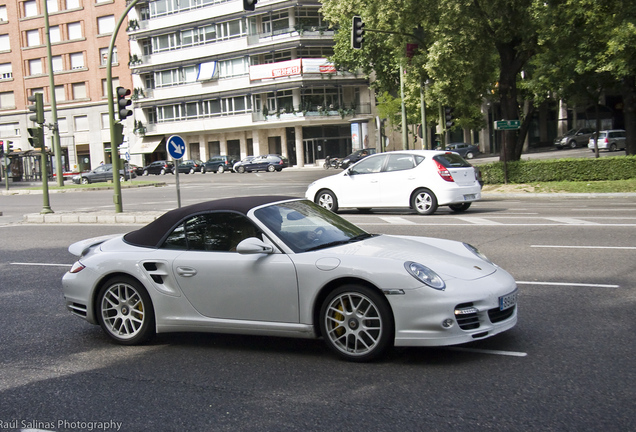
(341, 242)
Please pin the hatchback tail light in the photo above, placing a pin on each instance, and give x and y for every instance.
(443, 172)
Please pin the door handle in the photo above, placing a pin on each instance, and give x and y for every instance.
(186, 271)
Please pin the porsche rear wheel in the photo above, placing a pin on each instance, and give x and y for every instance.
(125, 312)
(356, 323)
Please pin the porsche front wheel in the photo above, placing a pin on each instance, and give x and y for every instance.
(356, 323)
(125, 312)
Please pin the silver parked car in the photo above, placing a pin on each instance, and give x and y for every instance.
(577, 137)
(610, 140)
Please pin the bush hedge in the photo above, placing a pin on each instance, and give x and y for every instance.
(532, 171)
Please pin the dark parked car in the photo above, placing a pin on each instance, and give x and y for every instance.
(135, 169)
(102, 173)
(355, 157)
(577, 137)
(159, 167)
(269, 163)
(219, 164)
(190, 166)
(467, 151)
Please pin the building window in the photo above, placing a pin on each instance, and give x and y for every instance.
(6, 71)
(72, 4)
(51, 6)
(115, 82)
(62, 124)
(79, 91)
(74, 30)
(77, 60)
(30, 8)
(33, 38)
(35, 67)
(5, 45)
(105, 121)
(58, 63)
(60, 94)
(106, 24)
(3, 13)
(276, 23)
(54, 34)
(80, 123)
(7, 100)
(103, 56)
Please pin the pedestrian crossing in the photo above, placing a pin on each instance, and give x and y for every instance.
(481, 220)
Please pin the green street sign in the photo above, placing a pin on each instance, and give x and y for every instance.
(507, 124)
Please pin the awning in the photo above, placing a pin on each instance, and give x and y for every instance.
(147, 145)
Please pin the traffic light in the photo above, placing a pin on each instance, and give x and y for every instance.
(123, 103)
(448, 114)
(37, 137)
(357, 33)
(248, 5)
(9, 145)
(119, 134)
(37, 108)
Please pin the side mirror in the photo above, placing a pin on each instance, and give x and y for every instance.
(253, 245)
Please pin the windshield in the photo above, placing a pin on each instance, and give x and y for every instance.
(304, 226)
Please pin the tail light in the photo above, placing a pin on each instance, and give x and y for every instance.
(443, 172)
(606, 141)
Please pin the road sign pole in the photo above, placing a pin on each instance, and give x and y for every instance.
(176, 149)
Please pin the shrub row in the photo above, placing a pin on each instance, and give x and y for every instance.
(532, 171)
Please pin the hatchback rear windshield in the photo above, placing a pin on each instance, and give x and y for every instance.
(451, 160)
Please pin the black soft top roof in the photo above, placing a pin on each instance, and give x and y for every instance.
(153, 234)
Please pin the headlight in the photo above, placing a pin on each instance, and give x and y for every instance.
(425, 275)
(474, 250)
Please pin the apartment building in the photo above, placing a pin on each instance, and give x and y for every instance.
(80, 32)
(234, 82)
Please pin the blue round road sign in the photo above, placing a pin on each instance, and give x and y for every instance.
(176, 147)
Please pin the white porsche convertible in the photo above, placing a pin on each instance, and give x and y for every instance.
(281, 266)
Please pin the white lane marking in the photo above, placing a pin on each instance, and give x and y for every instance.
(585, 247)
(571, 221)
(479, 221)
(41, 264)
(493, 352)
(568, 284)
(396, 220)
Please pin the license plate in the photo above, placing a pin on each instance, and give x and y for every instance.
(508, 301)
(469, 197)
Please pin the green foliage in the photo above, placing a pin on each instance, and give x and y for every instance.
(594, 169)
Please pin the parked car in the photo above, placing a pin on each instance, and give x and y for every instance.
(219, 164)
(573, 138)
(356, 156)
(136, 169)
(159, 167)
(195, 269)
(465, 150)
(421, 180)
(242, 161)
(610, 140)
(269, 163)
(190, 166)
(102, 173)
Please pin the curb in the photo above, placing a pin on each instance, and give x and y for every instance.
(106, 218)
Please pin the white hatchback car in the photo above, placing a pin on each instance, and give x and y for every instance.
(418, 179)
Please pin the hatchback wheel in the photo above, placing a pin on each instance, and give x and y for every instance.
(424, 202)
(327, 199)
(85, 180)
(470, 155)
(191, 170)
(122, 178)
(240, 169)
(125, 312)
(271, 168)
(221, 169)
(572, 144)
(460, 207)
(356, 323)
(146, 172)
(612, 147)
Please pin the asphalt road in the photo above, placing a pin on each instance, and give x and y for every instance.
(566, 366)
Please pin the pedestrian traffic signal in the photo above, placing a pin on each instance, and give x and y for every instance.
(248, 5)
(37, 137)
(357, 32)
(37, 108)
(449, 117)
(123, 103)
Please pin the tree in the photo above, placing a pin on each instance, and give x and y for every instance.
(466, 47)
